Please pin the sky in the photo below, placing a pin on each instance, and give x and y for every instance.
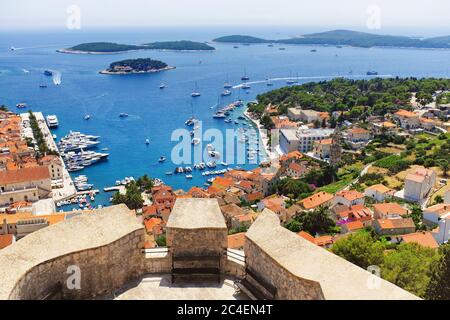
(370, 15)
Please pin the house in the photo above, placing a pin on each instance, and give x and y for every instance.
(297, 170)
(302, 139)
(244, 185)
(356, 213)
(352, 226)
(432, 215)
(152, 226)
(196, 192)
(253, 197)
(164, 198)
(378, 192)
(423, 238)
(236, 241)
(322, 149)
(54, 165)
(222, 183)
(322, 241)
(385, 127)
(427, 124)
(394, 226)
(407, 119)
(316, 200)
(388, 211)
(348, 198)
(286, 159)
(282, 122)
(294, 114)
(307, 115)
(418, 184)
(358, 137)
(25, 184)
(230, 211)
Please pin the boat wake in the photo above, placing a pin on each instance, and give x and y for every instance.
(239, 86)
(56, 78)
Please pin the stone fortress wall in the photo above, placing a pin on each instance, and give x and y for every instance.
(107, 247)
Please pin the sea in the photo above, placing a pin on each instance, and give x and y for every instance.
(155, 114)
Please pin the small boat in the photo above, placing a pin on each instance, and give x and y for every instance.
(226, 93)
(162, 86)
(52, 121)
(246, 86)
(147, 141)
(281, 49)
(21, 105)
(227, 85)
(270, 45)
(87, 117)
(195, 93)
(169, 173)
(123, 115)
(162, 159)
(189, 176)
(48, 73)
(42, 85)
(219, 115)
(228, 120)
(245, 77)
(371, 73)
(313, 50)
(195, 141)
(13, 49)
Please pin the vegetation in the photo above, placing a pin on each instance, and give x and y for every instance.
(145, 183)
(293, 188)
(393, 163)
(132, 197)
(439, 286)
(406, 265)
(356, 98)
(242, 228)
(314, 222)
(104, 47)
(139, 65)
(180, 45)
(39, 137)
(349, 38)
(161, 240)
(3, 108)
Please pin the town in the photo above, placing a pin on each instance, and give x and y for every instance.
(363, 183)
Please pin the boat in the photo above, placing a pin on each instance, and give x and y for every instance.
(282, 49)
(42, 85)
(13, 49)
(246, 86)
(162, 159)
(209, 147)
(162, 86)
(169, 173)
(52, 121)
(219, 115)
(87, 117)
(189, 176)
(195, 93)
(245, 77)
(339, 47)
(270, 45)
(48, 73)
(21, 105)
(226, 93)
(195, 141)
(228, 120)
(147, 141)
(214, 154)
(123, 115)
(371, 73)
(313, 50)
(235, 47)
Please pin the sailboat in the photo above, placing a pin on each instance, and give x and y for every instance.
(227, 84)
(191, 121)
(245, 77)
(269, 83)
(195, 93)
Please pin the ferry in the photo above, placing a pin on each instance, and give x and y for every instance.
(52, 121)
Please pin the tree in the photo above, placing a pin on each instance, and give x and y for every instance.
(417, 216)
(145, 183)
(294, 187)
(313, 222)
(333, 122)
(317, 123)
(132, 197)
(438, 199)
(444, 165)
(439, 285)
(409, 267)
(360, 248)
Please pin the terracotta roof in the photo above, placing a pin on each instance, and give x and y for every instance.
(358, 130)
(388, 124)
(250, 197)
(358, 212)
(274, 203)
(213, 190)
(419, 174)
(6, 240)
(151, 223)
(232, 210)
(307, 236)
(440, 209)
(405, 113)
(350, 195)
(396, 223)
(379, 188)
(236, 241)
(354, 225)
(324, 141)
(292, 155)
(390, 208)
(425, 239)
(221, 182)
(149, 210)
(315, 200)
(198, 192)
(24, 175)
(296, 167)
(320, 241)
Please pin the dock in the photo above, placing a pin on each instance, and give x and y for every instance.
(121, 189)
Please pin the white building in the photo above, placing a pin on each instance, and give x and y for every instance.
(418, 184)
(378, 192)
(447, 197)
(348, 198)
(439, 215)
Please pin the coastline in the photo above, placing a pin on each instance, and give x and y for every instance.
(135, 72)
(264, 138)
(69, 51)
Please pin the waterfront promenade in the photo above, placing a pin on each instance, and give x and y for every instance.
(68, 190)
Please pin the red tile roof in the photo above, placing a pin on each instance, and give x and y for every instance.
(24, 175)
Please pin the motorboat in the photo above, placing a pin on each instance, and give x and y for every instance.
(52, 121)
(123, 115)
(21, 105)
(162, 159)
(226, 93)
(162, 86)
(147, 141)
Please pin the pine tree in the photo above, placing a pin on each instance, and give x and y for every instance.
(439, 286)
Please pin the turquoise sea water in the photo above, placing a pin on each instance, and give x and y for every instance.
(155, 113)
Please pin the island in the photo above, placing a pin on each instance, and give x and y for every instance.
(100, 48)
(348, 38)
(136, 66)
(183, 45)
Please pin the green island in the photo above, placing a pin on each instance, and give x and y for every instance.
(100, 48)
(183, 45)
(110, 47)
(348, 38)
(136, 66)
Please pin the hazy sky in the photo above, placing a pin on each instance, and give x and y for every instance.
(431, 14)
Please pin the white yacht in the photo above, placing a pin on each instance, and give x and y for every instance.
(52, 121)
